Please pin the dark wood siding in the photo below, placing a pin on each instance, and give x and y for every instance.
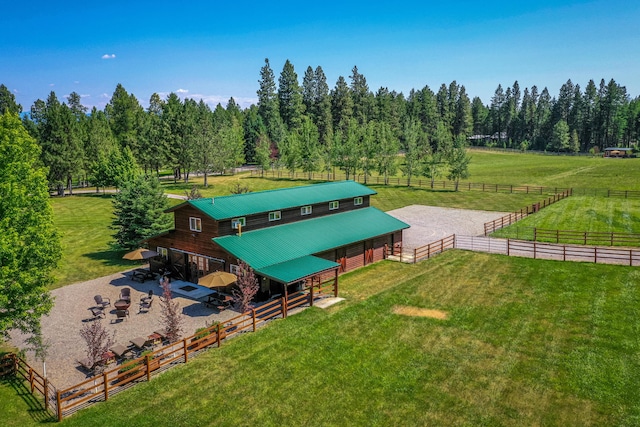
(355, 256)
(261, 220)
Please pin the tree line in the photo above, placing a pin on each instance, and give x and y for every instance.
(306, 125)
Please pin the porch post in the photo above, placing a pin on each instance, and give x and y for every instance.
(335, 285)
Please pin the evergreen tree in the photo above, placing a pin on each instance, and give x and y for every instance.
(415, 148)
(204, 140)
(309, 149)
(341, 106)
(254, 132)
(309, 92)
(123, 110)
(268, 101)
(8, 102)
(347, 152)
(362, 98)
(139, 211)
(29, 243)
(479, 116)
(369, 147)
(290, 97)
(497, 112)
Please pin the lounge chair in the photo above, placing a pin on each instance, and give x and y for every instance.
(142, 343)
(102, 301)
(97, 312)
(125, 294)
(120, 351)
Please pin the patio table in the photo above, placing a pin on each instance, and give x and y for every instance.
(122, 304)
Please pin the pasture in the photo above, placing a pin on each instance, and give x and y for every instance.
(579, 213)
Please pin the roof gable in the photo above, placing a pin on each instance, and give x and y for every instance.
(238, 205)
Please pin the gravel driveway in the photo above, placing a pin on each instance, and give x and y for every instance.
(430, 223)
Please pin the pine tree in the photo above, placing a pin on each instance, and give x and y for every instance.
(362, 97)
(290, 97)
(139, 211)
(8, 102)
(341, 106)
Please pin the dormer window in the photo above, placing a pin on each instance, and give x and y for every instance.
(195, 224)
(357, 201)
(305, 210)
(334, 205)
(238, 221)
(274, 216)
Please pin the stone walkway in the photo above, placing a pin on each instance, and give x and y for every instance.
(61, 328)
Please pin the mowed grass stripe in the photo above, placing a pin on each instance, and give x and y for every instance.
(582, 213)
(527, 342)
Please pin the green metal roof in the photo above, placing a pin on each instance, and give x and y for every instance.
(238, 205)
(290, 271)
(269, 246)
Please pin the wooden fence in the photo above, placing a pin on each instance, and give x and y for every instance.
(434, 248)
(403, 181)
(64, 402)
(450, 185)
(586, 237)
(497, 224)
(529, 249)
(12, 364)
(595, 254)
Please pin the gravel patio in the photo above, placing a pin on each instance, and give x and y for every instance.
(61, 328)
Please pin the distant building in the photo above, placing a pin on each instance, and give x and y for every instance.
(618, 152)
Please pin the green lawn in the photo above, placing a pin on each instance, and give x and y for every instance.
(579, 213)
(527, 342)
(554, 171)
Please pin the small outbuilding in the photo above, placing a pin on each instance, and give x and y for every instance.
(618, 152)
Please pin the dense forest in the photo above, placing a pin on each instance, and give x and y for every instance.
(306, 125)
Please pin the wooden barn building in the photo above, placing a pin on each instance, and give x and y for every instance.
(289, 236)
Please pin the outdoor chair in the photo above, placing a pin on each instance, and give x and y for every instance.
(102, 301)
(145, 305)
(147, 297)
(97, 312)
(125, 294)
(120, 351)
(121, 315)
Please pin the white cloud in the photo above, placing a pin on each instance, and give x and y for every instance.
(76, 82)
(16, 91)
(105, 96)
(107, 56)
(85, 95)
(182, 91)
(52, 84)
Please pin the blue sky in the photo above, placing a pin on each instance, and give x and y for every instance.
(214, 50)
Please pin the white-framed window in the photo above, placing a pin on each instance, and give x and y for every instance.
(334, 205)
(357, 201)
(195, 224)
(305, 210)
(274, 216)
(235, 221)
(163, 252)
(233, 268)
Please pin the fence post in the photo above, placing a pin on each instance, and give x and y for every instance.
(184, 349)
(415, 255)
(46, 394)
(595, 254)
(218, 335)
(508, 247)
(534, 250)
(283, 307)
(106, 386)
(147, 361)
(31, 378)
(59, 406)
(311, 294)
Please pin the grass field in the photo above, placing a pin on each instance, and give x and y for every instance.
(526, 342)
(561, 171)
(578, 213)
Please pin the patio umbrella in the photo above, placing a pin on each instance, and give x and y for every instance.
(140, 254)
(217, 279)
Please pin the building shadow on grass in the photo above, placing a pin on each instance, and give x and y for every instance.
(111, 257)
(35, 402)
